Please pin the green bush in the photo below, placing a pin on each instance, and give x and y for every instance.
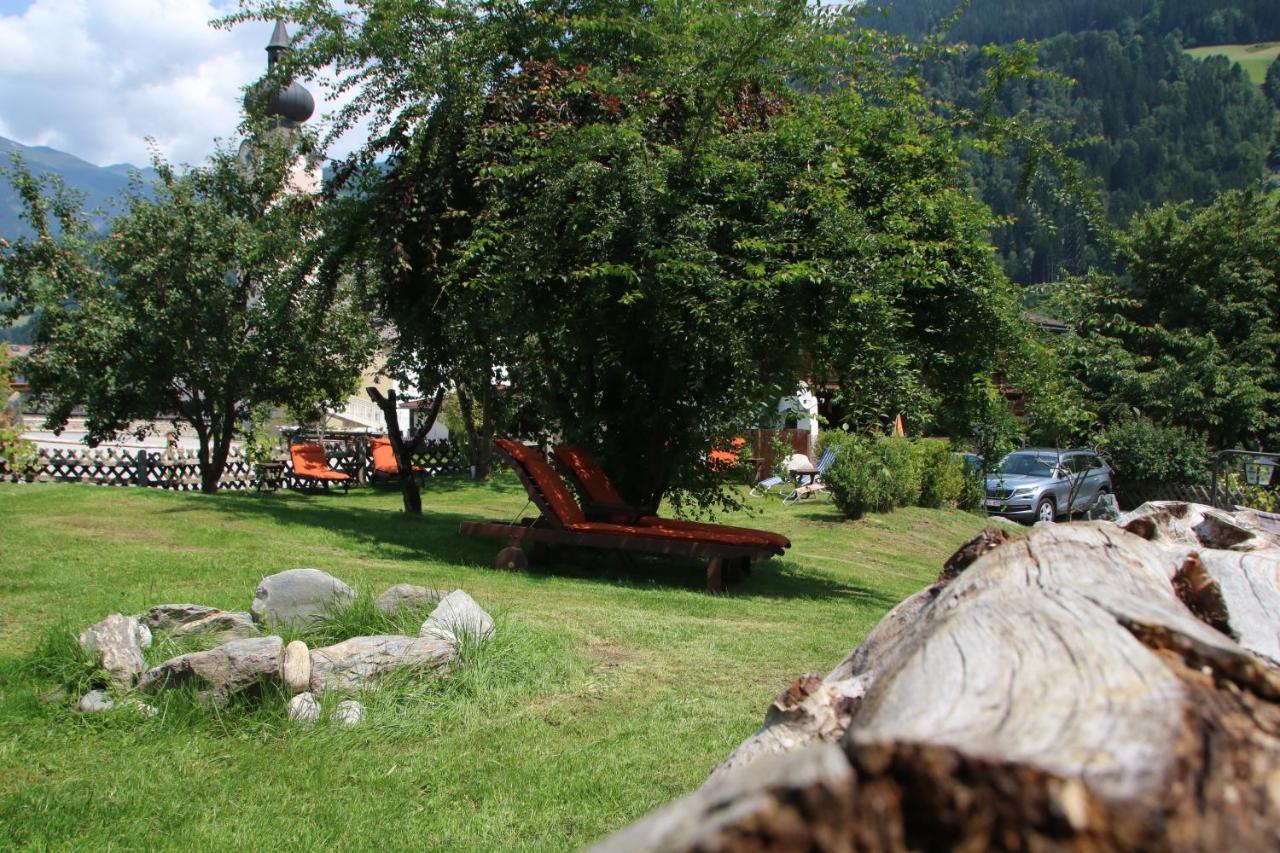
(974, 491)
(942, 474)
(873, 475)
(1142, 451)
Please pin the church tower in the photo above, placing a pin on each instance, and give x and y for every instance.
(287, 109)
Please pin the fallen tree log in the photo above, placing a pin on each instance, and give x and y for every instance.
(1090, 685)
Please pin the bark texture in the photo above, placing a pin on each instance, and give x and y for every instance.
(1085, 687)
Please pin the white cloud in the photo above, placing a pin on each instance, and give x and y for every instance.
(94, 78)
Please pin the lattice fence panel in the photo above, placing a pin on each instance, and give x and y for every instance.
(181, 471)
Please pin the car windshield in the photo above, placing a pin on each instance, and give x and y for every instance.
(1028, 465)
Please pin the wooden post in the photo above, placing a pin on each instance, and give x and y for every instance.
(140, 468)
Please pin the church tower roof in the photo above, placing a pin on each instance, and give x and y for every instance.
(293, 104)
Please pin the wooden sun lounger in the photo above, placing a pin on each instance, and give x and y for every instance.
(385, 466)
(563, 523)
(600, 500)
(311, 467)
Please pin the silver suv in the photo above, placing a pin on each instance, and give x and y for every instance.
(1042, 484)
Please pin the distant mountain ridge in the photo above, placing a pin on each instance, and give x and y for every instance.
(101, 185)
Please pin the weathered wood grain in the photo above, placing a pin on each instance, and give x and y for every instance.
(1083, 687)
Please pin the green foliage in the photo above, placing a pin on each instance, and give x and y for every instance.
(1142, 451)
(630, 207)
(16, 453)
(942, 475)
(879, 474)
(984, 21)
(201, 302)
(1190, 335)
(874, 475)
(1148, 123)
(1271, 84)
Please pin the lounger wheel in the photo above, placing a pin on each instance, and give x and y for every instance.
(512, 559)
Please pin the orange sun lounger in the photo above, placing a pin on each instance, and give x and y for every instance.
(384, 460)
(311, 466)
(602, 499)
(727, 551)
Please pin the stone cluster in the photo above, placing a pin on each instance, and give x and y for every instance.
(246, 658)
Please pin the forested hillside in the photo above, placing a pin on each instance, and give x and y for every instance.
(1197, 22)
(1149, 123)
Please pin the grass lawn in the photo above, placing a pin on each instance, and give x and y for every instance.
(605, 693)
(1255, 59)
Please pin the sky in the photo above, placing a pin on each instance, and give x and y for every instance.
(95, 78)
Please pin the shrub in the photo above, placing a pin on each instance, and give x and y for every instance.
(1142, 451)
(974, 491)
(942, 475)
(873, 475)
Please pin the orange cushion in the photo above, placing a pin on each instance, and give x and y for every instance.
(309, 460)
(695, 526)
(559, 498)
(384, 458)
(588, 471)
(663, 532)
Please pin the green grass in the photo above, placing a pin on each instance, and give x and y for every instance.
(609, 688)
(1255, 59)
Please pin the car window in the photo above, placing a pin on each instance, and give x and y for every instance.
(1079, 464)
(1095, 462)
(1028, 465)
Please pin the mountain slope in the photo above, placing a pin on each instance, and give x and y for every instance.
(101, 185)
(1196, 22)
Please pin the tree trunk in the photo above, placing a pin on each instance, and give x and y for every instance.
(479, 441)
(404, 450)
(1091, 686)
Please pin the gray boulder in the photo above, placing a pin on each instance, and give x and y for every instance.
(225, 625)
(304, 708)
(361, 661)
(119, 640)
(298, 597)
(1105, 508)
(166, 617)
(457, 615)
(229, 668)
(93, 701)
(348, 714)
(404, 595)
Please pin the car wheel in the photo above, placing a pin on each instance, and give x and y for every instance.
(1046, 511)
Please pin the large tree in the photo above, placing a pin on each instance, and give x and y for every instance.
(199, 304)
(1189, 334)
(649, 220)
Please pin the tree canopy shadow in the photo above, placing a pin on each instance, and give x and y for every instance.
(390, 534)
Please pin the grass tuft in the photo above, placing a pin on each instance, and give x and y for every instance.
(58, 661)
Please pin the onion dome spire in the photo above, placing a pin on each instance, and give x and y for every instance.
(293, 104)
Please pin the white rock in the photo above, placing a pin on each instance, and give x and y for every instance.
(348, 714)
(361, 661)
(140, 708)
(225, 670)
(299, 597)
(119, 640)
(406, 595)
(226, 625)
(458, 615)
(295, 667)
(95, 700)
(166, 617)
(304, 708)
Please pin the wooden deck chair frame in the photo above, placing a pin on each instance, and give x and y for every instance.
(723, 561)
(603, 503)
(304, 479)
